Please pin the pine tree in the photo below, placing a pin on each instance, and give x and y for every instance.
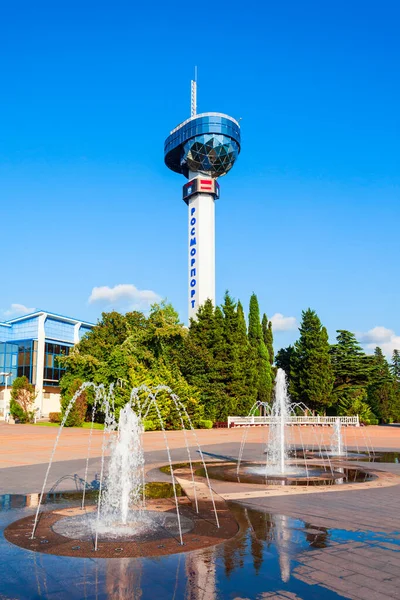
(311, 370)
(383, 394)
(268, 337)
(283, 360)
(351, 367)
(395, 366)
(264, 387)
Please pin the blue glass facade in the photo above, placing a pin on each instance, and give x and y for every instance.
(208, 143)
(19, 342)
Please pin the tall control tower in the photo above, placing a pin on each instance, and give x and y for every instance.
(202, 149)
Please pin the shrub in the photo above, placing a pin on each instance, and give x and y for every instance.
(22, 399)
(205, 424)
(17, 412)
(77, 413)
(55, 417)
(149, 425)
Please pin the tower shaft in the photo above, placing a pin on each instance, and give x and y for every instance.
(201, 250)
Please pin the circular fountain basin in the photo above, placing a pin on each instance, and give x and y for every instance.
(348, 455)
(143, 525)
(295, 475)
(70, 531)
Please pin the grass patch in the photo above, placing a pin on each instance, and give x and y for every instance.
(95, 425)
(166, 468)
(84, 426)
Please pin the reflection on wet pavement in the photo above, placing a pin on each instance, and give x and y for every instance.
(273, 556)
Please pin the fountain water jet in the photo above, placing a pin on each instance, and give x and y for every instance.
(127, 458)
(121, 500)
(277, 453)
(337, 448)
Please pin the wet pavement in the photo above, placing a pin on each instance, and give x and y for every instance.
(273, 555)
(300, 544)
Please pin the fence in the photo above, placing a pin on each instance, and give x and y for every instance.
(318, 420)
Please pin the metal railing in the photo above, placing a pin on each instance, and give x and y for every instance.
(317, 420)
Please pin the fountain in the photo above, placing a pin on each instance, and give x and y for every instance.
(122, 511)
(289, 461)
(277, 450)
(337, 439)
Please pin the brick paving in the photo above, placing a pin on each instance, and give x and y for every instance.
(29, 444)
(359, 570)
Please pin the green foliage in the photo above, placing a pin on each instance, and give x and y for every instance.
(55, 417)
(355, 404)
(138, 351)
(219, 360)
(268, 337)
(214, 367)
(395, 366)
(205, 424)
(352, 368)
(22, 399)
(383, 389)
(363, 384)
(77, 412)
(264, 372)
(17, 412)
(311, 375)
(283, 360)
(149, 425)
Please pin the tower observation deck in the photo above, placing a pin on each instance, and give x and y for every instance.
(202, 148)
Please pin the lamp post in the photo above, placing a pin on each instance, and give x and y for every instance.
(6, 376)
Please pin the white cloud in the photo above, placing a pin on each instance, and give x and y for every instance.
(125, 296)
(383, 337)
(16, 310)
(281, 323)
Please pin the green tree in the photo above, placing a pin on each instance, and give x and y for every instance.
(77, 413)
(248, 372)
(22, 399)
(202, 360)
(395, 366)
(138, 351)
(283, 360)
(351, 367)
(268, 337)
(311, 376)
(355, 403)
(255, 334)
(383, 394)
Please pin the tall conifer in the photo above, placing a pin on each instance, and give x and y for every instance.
(264, 387)
(311, 370)
(383, 394)
(351, 366)
(395, 366)
(268, 337)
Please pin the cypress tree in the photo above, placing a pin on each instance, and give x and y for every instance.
(395, 366)
(247, 367)
(311, 370)
(268, 337)
(264, 387)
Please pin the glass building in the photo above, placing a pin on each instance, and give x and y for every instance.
(30, 346)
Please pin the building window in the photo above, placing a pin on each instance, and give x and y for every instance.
(53, 369)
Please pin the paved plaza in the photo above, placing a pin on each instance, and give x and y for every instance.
(359, 525)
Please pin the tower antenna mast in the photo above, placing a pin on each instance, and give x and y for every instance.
(193, 95)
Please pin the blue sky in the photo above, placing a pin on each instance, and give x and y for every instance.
(309, 216)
